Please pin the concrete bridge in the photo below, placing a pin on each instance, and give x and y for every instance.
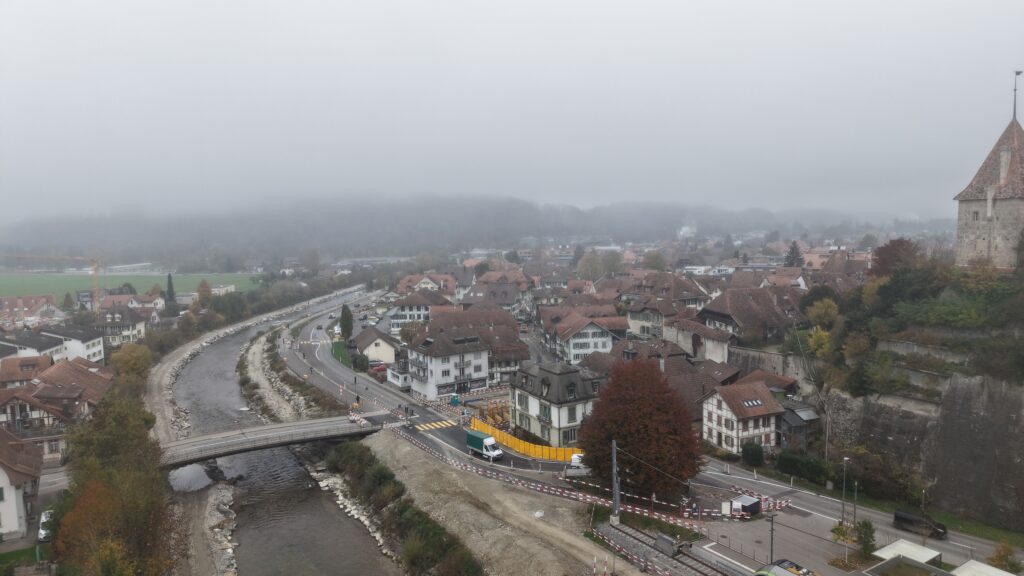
(199, 448)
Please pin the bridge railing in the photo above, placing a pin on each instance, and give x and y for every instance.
(234, 445)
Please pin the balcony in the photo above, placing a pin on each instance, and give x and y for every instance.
(544, 419)
(22, 431)
(463, 364)
(416, 363)
(459, 378)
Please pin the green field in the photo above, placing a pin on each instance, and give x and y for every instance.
(59, 284)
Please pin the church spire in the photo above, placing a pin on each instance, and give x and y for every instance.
(1016, 73)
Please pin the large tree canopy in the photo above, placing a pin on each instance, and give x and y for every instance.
(895, 255)
(650, 423)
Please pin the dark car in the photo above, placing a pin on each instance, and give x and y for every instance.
(363, 317)
(920, 523)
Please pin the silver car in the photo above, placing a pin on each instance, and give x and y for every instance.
(44, 525)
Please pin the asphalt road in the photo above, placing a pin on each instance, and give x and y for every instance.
(801, 530)
(328, 374)
(810, 517)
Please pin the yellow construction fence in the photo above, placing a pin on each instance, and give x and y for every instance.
(523, 447)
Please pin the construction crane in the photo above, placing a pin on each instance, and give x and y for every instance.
(94, 265)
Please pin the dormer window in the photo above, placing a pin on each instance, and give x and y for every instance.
(570, 390)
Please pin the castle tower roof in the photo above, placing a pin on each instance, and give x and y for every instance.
(1003, 169)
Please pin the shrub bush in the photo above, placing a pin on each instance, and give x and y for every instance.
(360, 362)
(753, 454)
(806, 467)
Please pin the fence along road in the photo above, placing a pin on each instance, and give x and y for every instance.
(208, 446)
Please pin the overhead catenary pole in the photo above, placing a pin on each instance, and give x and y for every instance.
(615, 485)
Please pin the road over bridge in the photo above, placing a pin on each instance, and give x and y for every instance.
(199, 448)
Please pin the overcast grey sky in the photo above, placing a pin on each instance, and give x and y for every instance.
(862, 105)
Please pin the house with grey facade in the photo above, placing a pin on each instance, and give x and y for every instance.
(549, 400)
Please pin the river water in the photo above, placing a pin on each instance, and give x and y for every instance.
(286, 524)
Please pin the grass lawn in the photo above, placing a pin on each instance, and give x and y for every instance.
(28, 284)
(340, 351)
(24, 555)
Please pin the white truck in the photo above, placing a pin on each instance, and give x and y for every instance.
(483, 444)
(576, 467)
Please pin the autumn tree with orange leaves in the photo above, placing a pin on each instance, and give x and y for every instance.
(117, 518)
(650, 423)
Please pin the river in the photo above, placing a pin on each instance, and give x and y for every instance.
(286, 524)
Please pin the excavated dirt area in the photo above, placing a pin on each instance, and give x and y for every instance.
(513, 531)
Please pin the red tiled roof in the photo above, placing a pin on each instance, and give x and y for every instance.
(750, 400)
(769, 379)
(483, 314)
(759, 308)
(66, 375)
(612, 323)
(446, 283)
(22, 461)
(1003, 169)
(17, 369)
(706, 332)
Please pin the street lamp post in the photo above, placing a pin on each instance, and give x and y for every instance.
(771, 540)
(842, 519)
(854, 502)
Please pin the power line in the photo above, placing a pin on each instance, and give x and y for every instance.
(642, 461)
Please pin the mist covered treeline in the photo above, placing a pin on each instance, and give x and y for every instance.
(380, 227)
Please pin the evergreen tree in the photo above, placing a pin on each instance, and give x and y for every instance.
(171, 308)
(513, 257)
(794, 259)
(346, 322)
(866, 537)
(577, 255)
(69, 302)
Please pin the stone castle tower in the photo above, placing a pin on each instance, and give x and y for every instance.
(990, 216)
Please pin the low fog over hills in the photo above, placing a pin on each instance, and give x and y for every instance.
(368, 227)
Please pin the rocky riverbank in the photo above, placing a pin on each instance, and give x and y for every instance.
(208, 511)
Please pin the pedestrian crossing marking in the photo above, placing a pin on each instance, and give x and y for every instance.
(435, 425)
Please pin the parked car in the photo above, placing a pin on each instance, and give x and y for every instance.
(331, 316)
(44, 525)
(363, 317)
(379, 368)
